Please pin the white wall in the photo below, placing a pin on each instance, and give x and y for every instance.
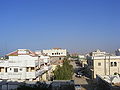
(21, 62)
(56, 52)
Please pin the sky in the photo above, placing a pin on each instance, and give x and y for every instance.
(77, 25)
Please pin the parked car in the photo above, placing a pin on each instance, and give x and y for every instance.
(79, 74)
(78, 87)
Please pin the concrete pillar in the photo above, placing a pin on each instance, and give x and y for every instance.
(29, 70)
(44, 78)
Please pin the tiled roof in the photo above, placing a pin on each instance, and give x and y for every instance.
(16, 53)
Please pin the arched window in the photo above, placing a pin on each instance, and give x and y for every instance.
(115, 63)
(52, 53)
(111, 64)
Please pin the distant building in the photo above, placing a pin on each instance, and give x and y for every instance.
(74, 55)
(56, 56)
(83, 60)
(117, 52)
(23, 65)
(97, 53)
(103, 65)
(81, 56)
(38, 52)
(56, 53)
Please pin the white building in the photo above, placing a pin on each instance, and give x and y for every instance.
(103, 65)
(81, 56)
(83, 60)
(23, 64)
(55, 52)
(38, 52)
(98, 53)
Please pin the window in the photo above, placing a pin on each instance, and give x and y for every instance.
(10, 69)
(27, 69)
(5, 69)
(99, 64)
(20, 69)
(32, 68)
(1, 69)
(115, 63)
(111, 64)
(52, 53)
(15, 69)
(45, 63)
(60, 58)
(115, 73)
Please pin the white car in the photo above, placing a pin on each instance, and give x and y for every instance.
(78, 87)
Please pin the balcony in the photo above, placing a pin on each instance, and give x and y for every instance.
(3, 75)
(14, 75)
(3, 63)
(27, 63)
(11, 75)
(30, 75)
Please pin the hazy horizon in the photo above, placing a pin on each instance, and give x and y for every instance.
(77, 25)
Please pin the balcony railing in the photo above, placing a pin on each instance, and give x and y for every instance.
(39, 72)
(43, 70)
(30, 75)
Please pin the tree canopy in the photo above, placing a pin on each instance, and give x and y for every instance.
(64, 72)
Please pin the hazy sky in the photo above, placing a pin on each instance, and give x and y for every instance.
(78, 25)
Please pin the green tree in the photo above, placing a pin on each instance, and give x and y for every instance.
(64, 72)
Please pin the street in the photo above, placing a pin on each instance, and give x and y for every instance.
(83, 81)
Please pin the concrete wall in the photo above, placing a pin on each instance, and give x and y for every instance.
(105, 68)
(55, 52)
(57, 58)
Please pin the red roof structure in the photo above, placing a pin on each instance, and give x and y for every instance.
(22, 52)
